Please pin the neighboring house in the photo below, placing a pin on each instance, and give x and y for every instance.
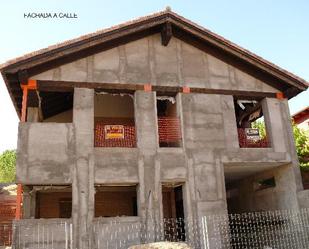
(7, 212)
(147, 120)
(7, 202)
(301, 118)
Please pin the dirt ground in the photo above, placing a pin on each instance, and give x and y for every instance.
(162, 245)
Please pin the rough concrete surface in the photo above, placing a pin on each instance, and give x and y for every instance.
(146, 60)
(209, 156)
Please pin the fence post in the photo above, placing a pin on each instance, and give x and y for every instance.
(205, 232)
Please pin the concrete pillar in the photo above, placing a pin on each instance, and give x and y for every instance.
(147, 142)
(280, 132)
(287, 123)
(274, 126)
(33, 114)
(26, 203)
(83, 171)
(302, 195)
(146, 122)
(205, 127)
(229, 122)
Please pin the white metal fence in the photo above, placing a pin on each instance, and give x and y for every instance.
(260, 230)
(42, 234)
(285, 229)
(119, 235)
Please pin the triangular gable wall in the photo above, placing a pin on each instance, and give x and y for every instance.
(147, 61)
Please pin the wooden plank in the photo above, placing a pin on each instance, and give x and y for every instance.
(68, 86)
(23, 77)
(33, 99)
(24, 105)
(237, 93)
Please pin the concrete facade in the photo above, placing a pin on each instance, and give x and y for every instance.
(64, 153)
(147, 61)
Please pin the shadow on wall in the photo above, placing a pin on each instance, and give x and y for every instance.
(305, 177)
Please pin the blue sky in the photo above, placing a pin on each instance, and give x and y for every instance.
(277, 30)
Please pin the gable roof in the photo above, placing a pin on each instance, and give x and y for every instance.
(13, 71)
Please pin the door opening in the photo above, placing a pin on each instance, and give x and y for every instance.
(173, 212)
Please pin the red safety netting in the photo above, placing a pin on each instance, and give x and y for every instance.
(247, 143)
(6, 232)
(169, 130)
(129, 139)
(7, 214)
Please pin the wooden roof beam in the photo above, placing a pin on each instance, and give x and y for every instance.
(68, 86)
(166, 33)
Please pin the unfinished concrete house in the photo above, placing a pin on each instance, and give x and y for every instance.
(153, 120)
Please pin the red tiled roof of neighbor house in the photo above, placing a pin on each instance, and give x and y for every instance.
(301, 116)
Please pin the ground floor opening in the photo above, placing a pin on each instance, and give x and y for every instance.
(173, 211)
(259, 187)
(113, 200)
(52, 201)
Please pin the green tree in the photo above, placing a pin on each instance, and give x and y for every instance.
(261, 126)
(301, 138)
(302, 146)
(7, 166)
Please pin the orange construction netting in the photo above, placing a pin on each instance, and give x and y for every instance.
(169, 132)
(128, 141)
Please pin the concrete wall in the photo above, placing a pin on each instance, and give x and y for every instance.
(210, 140)
(147, 61)
(121, 166)
(45, 153)
(64, 153)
